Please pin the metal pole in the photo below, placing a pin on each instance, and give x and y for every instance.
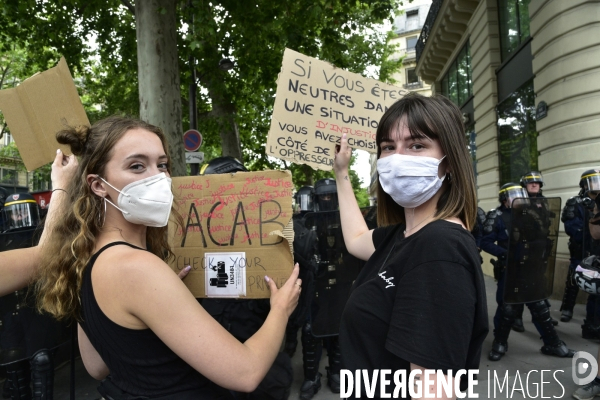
(194, 168)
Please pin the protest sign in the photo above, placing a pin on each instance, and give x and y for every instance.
(237, 229)
(40, 107)
(316, 103)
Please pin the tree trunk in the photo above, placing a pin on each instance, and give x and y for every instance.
(158, 73)
(228, 129)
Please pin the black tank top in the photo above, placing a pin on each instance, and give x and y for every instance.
(139, 362)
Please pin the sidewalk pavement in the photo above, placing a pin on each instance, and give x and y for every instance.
(523, 357)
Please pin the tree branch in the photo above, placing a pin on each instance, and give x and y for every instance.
(129, 6)
(4, 74)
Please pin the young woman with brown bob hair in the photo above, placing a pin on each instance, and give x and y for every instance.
(103, 264)
(419, 303)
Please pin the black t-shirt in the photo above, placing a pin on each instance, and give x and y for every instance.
(418, 300)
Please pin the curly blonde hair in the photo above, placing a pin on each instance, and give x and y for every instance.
(79, 220)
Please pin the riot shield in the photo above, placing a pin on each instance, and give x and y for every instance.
(336, 272)
(532, 249)
(24, 331)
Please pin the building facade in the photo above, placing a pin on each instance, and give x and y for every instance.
(407, 28)
(526, 75)
(13, 177)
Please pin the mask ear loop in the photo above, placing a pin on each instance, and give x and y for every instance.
(113, 204)
(102, 216)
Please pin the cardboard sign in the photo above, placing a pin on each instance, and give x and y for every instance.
(238, 228)
(40, 107)
(316, 103)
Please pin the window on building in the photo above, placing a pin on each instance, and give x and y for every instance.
(456, 84)
(412, 20)
(514, 25)
(9, 176)
(517, 135)
(411, 42)
(6, 139)
(411, 76)
(39, 183)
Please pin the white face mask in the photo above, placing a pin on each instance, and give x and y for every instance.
(147, 201)
(409, 180)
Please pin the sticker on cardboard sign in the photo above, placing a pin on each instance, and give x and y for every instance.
(225, 274)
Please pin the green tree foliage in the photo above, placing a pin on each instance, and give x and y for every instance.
(98, 40)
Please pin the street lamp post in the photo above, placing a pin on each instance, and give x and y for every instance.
(194, 167)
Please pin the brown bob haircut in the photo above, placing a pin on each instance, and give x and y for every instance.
(436, 118)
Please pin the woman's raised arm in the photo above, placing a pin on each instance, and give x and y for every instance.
(18, 267)
(357, 236)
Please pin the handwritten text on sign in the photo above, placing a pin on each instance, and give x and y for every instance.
(233, 214)
(317, 103)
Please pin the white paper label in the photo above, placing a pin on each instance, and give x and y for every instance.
(225, 274)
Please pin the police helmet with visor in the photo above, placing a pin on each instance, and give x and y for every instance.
(222, 165)
(511, 191)
(590, 182)
(326, 194)
(532, 177)
(20, 211)
(304, 198)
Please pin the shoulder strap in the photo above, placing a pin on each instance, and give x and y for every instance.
(96, 254)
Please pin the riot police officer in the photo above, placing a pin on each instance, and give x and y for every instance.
(533, 181)
(587, 278)
(575, 215)
(26, 336)
(305, 241)
(20, 211)
(243, 317)
(326, 200)
(495, 240)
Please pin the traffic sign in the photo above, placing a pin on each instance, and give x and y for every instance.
(194, 157)
(192, 140)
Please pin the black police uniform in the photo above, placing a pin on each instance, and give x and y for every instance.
(575, 217)
(305, 249)
(27, 338)
(242, 317)
(495, 242)
(312, 346)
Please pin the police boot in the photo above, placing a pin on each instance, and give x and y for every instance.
(19, 376)
(335, 359)
(553, 346)
(517, 324)
(500, 345)
(569, 298)
(590, 330)
(291, 340)
(42, 375)
(311, 356)
(498, 350)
